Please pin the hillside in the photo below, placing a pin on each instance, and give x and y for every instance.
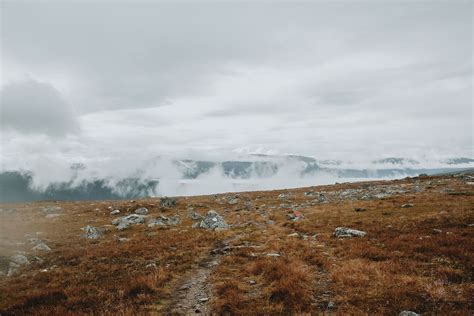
(266, 252)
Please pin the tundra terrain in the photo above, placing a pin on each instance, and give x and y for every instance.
(383, 247)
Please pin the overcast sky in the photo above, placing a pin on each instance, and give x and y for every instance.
(88, 80)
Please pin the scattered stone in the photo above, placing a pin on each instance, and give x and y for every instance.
(164, 221)
(348, 232)
(19, 259)
(213, 221)
(408, 313)
(52, 209)
(41, 247)
(115, 212)
(141, 211)
(407, 205)
(233, 200)
(92, 232)
(167, 202)
(125, 221)
(284, 196)
(194, 216)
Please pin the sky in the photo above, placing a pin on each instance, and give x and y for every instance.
(90, 80)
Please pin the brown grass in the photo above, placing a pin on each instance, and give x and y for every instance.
(417, 258)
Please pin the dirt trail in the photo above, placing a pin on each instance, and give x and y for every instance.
(194, 294)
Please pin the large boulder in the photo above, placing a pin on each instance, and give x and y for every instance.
(348, 232)
(92, 232)
(213, 221)
(125, 221)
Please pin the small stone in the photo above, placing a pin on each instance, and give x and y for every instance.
(408, 313)
(407, 205)
(141, 211)
(252, 282)
(360, 209)
(213, 221)
(42, 247)
(115, 212)
(167, 202)
(348, 232)
(92, 232)
(204, 299)
(273, 254)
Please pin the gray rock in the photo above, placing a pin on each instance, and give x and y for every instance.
(407, 205)
(194, 216)
(115, 212)
(348, 232)
(233, 200)
(141, 211)
(19, 259)
(164, 221)
(125, 221)
(213, 221)
(167, 202)
(41, 247)
(408, 313)
(92, 232)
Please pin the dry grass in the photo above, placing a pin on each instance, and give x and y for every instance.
(417, 258)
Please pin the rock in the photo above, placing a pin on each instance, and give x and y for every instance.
(348, 232)
(284, 196)
(52, 209)
(407, 205)
(141, 211)
(294, 235)
(273, 254)
(125, 221)
(164, 221)
(194, 216)
(92, 232)
(19, 259)
(360, 209)
(408, 313)
(115, 212)
(41, 247)
(438, 231)
(204, 299)
(213, 221)
(167, 202)
(252, 282)
(233, 200)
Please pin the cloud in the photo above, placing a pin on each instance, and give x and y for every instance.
(32, 107)
(329, 80)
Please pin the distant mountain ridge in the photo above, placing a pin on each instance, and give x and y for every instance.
(18, 185)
